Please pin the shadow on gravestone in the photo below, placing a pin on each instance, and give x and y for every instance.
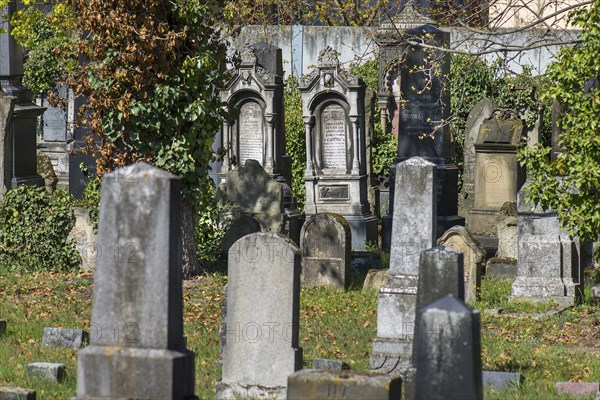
(325, 242)
(137, 349)
(448, 352)
(261, 334)
(241, 227)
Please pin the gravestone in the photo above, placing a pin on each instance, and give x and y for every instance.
(65, 337)
(549, 262)
(414, 230)
(501, 380)
(448, 352)
(310, 384)
(46, 171)
(253, 192)
(325, 241)
(329, 364)
(506, 224)
(261, 346)
(336, 176)
(498, 175)
(242, 226)
(460, 239)
(482, 110)
(18, 136)
(421, 104)
(84, 238)
(46, 371)
(137, 348)
(7, 106)
(13, 393)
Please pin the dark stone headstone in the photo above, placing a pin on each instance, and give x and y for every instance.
(242, 226)
(54, 119)
(326, 243)
(2, 327)
(310, 384)
(137, 349)
(448, 352)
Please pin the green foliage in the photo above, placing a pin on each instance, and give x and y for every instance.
(295, 138)
(209, 232)
(34, 226)
(91, 200)
(575, 195)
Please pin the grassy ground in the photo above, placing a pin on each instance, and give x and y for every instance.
(559, 347)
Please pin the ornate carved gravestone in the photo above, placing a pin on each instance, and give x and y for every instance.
(55, 133)
(336, 176)
(19, 135)
(255, 90)
(419, 105)
(498, 175)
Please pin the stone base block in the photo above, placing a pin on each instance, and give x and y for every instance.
(329, 364)
(364, 229)
(535, 289)
(502, 268)
(482, 222)
(45, 370)
(65, 337)
(112, 372)
(12, 393)
(313, 384)
(389, 357)
(234, 391)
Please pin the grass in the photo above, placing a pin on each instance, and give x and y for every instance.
(559, 347)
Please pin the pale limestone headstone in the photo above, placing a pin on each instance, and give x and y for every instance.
(84, 238)
(375, 279)
(480, 112)
(261, 346)
(65, 337)
(448, 352)
(251, 191)
(460, 239)
(137, 348)
(506, 224)
(326, 242)
(414, 230)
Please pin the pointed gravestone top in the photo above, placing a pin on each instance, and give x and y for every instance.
(418, 161)
(408, 18)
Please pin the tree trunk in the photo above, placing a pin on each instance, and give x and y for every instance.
(189, 259)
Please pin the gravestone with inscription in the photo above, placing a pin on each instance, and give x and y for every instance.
(262, 314)
(19, 135)
(498, 175)
(336, 176)
(325, 243)
(413, 82)
(256, 129)
(137, 349)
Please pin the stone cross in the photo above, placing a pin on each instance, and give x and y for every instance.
(448, 352)
(137, 349)
(261, 330)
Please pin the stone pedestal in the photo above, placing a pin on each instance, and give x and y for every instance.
(336, 176)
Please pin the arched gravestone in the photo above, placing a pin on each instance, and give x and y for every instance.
(336, 176)
(325, 243)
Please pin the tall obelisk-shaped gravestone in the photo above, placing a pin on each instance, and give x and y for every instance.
(18, 138)
(414, 230)
(414, 84)
(137, 349)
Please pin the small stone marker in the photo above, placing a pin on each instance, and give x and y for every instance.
(329, 364)
(65, 337)
(500, 380)
(506, 227)
(12, 393)
(440, 274)
(448, 352)
(375, 280)
(595, 294)
(459, 238)
(46, 370)
(137, 349)
(577, 388)
(262, 320)
(310, 384)
(84, 238)
(2, 327)
(326, 242)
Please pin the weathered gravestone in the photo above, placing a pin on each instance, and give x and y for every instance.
(448, 352)
(482, 110)
(261, 346)
(46, 171)
(414, 230)
(329, 364)
(84, 238)
(18, 120)
(65, 337)
(252, 192)
(336, 176)
(54, 135)
(504, 265)
(137, 349)
(498, 175)
(499, 380)
(460, 239)
(421, 104)
(310, 384)
(549, 262)
(46, 371)
(242, 226)
(325, 241)
(13, 393)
